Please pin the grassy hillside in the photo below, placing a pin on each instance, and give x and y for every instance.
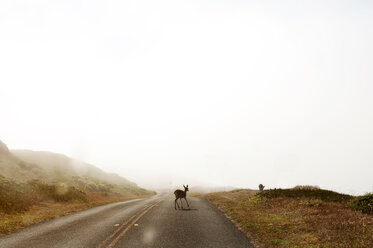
(43, 185)
(23, 166)
(14, 168)
(60, 167)
(299, 217)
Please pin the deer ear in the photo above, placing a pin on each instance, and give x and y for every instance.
(184, 185)
(187, 185)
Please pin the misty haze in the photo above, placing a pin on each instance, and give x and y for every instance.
(142, 103)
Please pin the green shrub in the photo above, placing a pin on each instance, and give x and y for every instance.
(18, 197)
(12, 197)
(311, 187)
(320, 194)
(363, 203)
(60, 193)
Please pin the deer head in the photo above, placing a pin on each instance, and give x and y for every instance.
(186, 188)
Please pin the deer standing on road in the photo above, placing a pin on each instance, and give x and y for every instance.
(180, 194)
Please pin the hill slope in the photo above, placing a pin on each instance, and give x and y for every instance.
(59, 167)
(25, 165)
(21, 166)
(3, 148)
(14, 168)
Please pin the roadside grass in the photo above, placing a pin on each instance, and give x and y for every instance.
(42, 211)
(18, 197)
(299, 217)
(46, 210)
(24, 204)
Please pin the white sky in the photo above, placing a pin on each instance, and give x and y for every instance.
(227, 92)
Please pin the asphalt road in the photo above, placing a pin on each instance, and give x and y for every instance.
(151, 222)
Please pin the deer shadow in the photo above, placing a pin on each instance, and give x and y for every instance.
(188, 209)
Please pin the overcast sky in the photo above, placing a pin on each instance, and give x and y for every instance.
(229, 92)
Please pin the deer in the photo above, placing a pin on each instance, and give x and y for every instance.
(180, 194)
(261, 187)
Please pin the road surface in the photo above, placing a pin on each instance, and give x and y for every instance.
(151, 222)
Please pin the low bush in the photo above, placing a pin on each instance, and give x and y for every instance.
(18, 197)
(306, 192)
(12, 196)
(312, 187)
(59, 193)
(363, 203)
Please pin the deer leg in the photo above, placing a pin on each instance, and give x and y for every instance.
(176, 203)
(181, 203)
(186, 201)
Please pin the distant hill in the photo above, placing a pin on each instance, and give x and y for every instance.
(52, 168)
(60, 167)
(14, 168)
(3, 148)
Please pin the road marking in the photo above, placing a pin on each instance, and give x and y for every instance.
(139, 214)
(103, 243)
(129, 226)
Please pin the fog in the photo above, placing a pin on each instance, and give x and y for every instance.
(214, 93)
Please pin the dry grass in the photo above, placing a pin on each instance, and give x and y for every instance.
(49, 209)
(295, 222)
